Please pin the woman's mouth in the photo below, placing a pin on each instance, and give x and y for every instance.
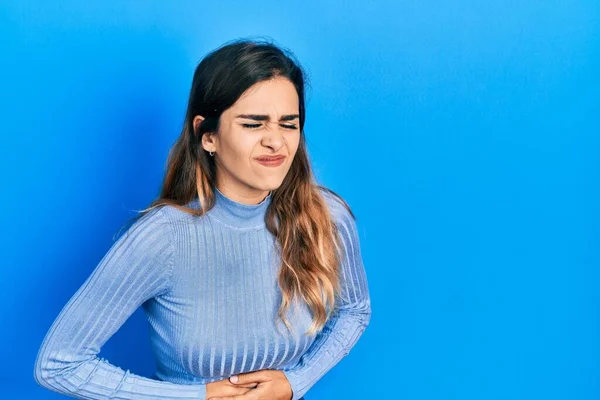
(270, 161)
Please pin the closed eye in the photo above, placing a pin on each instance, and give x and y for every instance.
(253, 126)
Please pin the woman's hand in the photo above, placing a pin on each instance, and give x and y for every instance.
(225, 388)
(272, 385)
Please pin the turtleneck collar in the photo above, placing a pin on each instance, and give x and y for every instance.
(237, 214)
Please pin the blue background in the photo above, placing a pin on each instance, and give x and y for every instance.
(465, 135)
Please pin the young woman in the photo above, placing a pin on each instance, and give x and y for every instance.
(250, 274)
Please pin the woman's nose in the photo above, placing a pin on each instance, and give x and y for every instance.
(274, 136)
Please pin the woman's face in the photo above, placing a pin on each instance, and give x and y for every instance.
(263, 121)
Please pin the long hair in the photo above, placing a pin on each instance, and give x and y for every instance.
(298, 216)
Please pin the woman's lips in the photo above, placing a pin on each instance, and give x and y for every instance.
(271, 161)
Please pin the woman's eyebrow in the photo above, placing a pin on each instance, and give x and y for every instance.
(262, 117)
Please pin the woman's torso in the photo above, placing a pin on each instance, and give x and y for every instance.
(218, 318)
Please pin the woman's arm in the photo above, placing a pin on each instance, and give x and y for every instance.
(137, 267)
(346, 325)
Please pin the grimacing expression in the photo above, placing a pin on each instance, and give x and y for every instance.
(263, 121)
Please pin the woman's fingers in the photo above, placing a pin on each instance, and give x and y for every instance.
(224, 388)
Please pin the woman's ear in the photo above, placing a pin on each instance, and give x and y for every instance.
(208, 138)
(209, 142)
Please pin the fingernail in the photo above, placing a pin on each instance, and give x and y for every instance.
(234, 379)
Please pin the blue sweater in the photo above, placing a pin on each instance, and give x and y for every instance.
(208, 287)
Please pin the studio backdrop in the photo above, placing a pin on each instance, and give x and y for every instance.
(464, 135)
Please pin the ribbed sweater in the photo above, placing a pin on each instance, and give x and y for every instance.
(208, 287)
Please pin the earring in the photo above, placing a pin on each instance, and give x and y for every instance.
(211, 153)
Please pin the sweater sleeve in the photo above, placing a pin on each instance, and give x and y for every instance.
(346, 324)
(137, 267)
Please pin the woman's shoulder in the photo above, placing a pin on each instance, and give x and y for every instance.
(175, 214)
(152, 219)
(338, 207)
